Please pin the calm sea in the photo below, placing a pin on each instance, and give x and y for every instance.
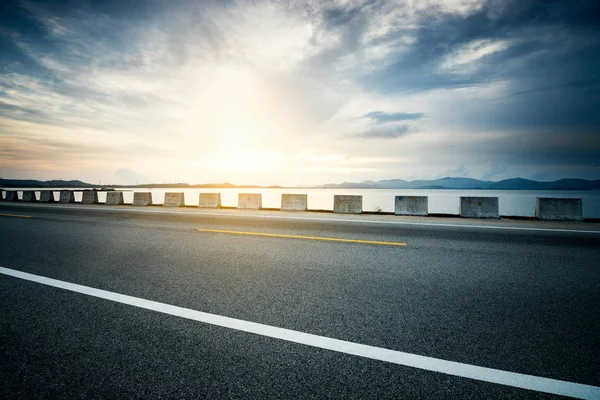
(511, 202)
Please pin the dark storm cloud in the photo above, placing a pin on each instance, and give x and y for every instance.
(380, 117)
(526, 23)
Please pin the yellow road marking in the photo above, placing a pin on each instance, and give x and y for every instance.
(15, 215)
(302, 237)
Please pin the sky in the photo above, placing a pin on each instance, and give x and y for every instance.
(299, 92)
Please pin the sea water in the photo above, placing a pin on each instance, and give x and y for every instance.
(441, 201)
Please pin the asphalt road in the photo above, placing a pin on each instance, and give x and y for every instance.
(524, 301)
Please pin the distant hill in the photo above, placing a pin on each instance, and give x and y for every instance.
(444, 183)
(58, 184)
(30, 183)
(468, 183)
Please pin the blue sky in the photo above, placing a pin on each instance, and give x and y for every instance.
(299, 93)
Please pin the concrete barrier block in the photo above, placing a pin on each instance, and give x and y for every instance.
(47, 196)
(67, 196)
(210, 200)
(252, 201)
(411, 205)
(479, 207)
(557, 209)
(114, 198)
(174, 199)
(29, 196)
(347, 204)
(11, 195)
(89, 197)
(142, 198)
(294, 202)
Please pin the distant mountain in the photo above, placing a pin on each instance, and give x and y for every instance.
(519, 184)
(468, 183)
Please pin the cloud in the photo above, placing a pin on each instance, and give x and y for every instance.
(498, 40)
(387, 132)
(194, 83)
(380, 117)
(468, 58)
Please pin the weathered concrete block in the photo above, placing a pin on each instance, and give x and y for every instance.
(294, 202)
(251, 201)
(67, 196)
(11, 195)
(142, 198)
(210, 200)
(347, 204)
(411, 205)
(174, 199)
(89, 197)
(29, 196)
(114, 198)
(47, 196)
(479, 207)
(557, 209)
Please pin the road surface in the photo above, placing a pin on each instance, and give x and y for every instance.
(515, 297)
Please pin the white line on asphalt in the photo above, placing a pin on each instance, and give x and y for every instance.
(501, 377)
(286, 217)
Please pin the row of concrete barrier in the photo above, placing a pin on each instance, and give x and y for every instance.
(470, 207)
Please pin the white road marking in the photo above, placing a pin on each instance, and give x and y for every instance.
(286, 217)
(501, 377)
